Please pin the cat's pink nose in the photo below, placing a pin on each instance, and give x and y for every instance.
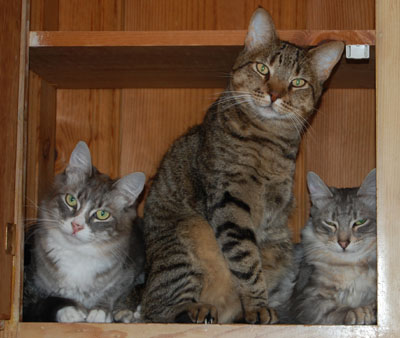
(344, 244)
(274, 96)
(76, 227)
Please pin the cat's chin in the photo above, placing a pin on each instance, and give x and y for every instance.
(268, 112)
(75, 238)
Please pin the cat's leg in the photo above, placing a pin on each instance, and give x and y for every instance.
(234, 230)
(318, 310)
(174, 280)
(363, 315)
(127, 309)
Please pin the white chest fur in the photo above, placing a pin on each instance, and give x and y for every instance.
(78, 267)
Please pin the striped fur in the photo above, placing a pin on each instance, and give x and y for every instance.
(216, 216)
(89, 262)
(337, 278)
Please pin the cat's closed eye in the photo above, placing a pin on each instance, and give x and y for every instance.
(330, 225)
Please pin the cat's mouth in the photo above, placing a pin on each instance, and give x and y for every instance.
(271, 110)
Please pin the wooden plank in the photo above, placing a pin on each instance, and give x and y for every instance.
(92, 116)
(151, 119)
(44, 15)
(92, 15)
(188, 38)
(50, 330)
(388, 164)
(160, 66)
(41, 143)
(209, 14)
(10, 82)
(341, 140)
(340, 14)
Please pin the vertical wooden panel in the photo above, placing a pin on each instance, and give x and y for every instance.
(153, 118)
(92, 116)
(41, 118)
(388, 171)
(341, 14)
(41, 143)
(44, 15)
(91, 15)
(341, 142)
(209, 14)
(10, 82)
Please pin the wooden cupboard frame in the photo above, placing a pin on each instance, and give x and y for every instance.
(388, 195)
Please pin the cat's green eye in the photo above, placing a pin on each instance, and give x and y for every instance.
(262, 69)
(298, 83)
(71, 200)
(102, 215)
(359, 222)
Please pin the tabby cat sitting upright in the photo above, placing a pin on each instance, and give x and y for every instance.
(87, 253)
(216, 232)
(337, 270)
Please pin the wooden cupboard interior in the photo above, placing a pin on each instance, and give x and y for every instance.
(129, 76)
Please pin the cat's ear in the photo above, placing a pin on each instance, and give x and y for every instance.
(80, 160)
(325, 57)
(131, 186)
(261, 30)
(367, 191)
(319, 191)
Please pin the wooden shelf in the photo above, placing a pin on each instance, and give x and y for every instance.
(169, 59)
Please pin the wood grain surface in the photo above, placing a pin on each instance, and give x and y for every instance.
(130, 129)
(97, 122)
(10, 40)
(388, 163)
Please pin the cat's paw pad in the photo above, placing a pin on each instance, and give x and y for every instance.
(363, 315)
(262, 315)
(70, 314)
(124, 316)
(99, 316)
(198, 313)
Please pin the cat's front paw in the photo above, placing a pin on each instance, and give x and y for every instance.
(71, 314)
(128, 316)
(262, 315)
(363, 315)
(198, 313)
(99, 316)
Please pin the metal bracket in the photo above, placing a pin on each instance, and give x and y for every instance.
(357, 52)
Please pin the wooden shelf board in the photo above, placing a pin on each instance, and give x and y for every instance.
(169, 59)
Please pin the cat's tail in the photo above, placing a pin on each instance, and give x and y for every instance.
(45, 309)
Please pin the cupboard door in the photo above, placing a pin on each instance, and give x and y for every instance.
(10, 38)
